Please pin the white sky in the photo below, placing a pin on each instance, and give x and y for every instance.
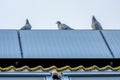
(43, 14)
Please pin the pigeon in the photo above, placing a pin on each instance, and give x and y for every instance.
(27, 26)
(95, 24)
(63, 26)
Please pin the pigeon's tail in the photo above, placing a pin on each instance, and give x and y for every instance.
(69, 28)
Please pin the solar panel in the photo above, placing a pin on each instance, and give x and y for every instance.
(9, 44)
(63, 44)
(113, 39)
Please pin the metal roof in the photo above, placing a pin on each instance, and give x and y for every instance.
(9, 44)
(41, 72)
(94, 78)
(113, 39)
(59, 44)
(90, 75)
(26, 76)
(63, 44)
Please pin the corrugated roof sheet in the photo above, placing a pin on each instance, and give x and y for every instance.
(113, 39)
(63, 44)
(9, 44)
(58, 71)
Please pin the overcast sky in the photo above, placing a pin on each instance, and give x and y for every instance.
(43, 14)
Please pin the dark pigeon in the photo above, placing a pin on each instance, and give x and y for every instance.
(95, 24)
(63, 26)
(27, 26)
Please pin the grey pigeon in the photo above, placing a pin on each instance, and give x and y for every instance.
(27, 26)
(95, 24)
(63, 26)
